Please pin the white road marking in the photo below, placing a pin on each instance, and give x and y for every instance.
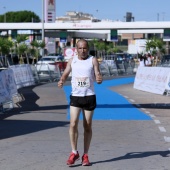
(162, 129)
(126, 97)
(147, 112)
(167, 139)
(132, 100)
(157, 121)
(143, 109)
(151, 115)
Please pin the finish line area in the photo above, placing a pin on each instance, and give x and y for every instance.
(111, 105)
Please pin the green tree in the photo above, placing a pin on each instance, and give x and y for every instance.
(5, 48)
(22, 50)
(103, 47)
(20, 16)
(21, 47)
(37, 46)
(155, 46)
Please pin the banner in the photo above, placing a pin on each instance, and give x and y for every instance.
(23, 75)
(7, 85)
(152, 79)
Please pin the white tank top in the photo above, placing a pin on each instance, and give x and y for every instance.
(82, 77)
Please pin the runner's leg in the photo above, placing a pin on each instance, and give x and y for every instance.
(73, 131)
(87, 123)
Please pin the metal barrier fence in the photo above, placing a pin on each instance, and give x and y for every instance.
(108, 67)
(165, 64)
(14, 102)
(46, 75)
(111, 68)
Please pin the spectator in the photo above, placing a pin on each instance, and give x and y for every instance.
(141, 61)
(148, 61)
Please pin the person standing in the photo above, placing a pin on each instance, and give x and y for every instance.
(141, 61)
(85, 70)
(149, 60)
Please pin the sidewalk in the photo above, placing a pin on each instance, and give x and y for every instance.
(35, 136)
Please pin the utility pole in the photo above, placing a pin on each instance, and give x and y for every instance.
(157, 16)
(43, 25)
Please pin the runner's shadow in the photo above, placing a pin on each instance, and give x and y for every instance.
(134, 155)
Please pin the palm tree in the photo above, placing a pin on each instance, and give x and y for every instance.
(21, 46)
(156, 47)
(42, 46)
(5, 46)
(37, 45)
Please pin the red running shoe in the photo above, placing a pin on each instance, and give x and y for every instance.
(85, 160)
(72, 158)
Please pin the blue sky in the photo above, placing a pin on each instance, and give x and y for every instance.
(142, 10)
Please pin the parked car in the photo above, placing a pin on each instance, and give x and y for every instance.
(53, 54)
(48, 64)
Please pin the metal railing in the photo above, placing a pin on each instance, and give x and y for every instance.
(46, 75)
(10, 104)
(112, 68)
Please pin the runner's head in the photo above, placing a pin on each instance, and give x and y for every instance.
(82, 49)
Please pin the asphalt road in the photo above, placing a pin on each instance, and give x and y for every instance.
(34, 135)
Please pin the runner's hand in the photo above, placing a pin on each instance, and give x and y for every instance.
(99, 78)
(60, 83)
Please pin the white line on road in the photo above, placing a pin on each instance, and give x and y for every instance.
(147, 112)
(157, 121)
(143, 109)
(151, 115)
(126, 97)
(162, 129)
(167, 139)
(132, 100)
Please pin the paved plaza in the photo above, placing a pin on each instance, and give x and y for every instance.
(131, 129)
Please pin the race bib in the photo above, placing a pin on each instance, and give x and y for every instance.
(82, 82)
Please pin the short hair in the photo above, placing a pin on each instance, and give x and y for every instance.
(83, 40)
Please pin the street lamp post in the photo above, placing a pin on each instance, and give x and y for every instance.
(42, 25)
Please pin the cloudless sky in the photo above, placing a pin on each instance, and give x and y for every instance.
(142, 10)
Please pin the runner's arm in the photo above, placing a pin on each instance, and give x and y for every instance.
(98, 75)
(65, 74)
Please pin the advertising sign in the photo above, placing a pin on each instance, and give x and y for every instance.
(50, 11)
(152, 79)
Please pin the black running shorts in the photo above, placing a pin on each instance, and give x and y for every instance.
(85, 102)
